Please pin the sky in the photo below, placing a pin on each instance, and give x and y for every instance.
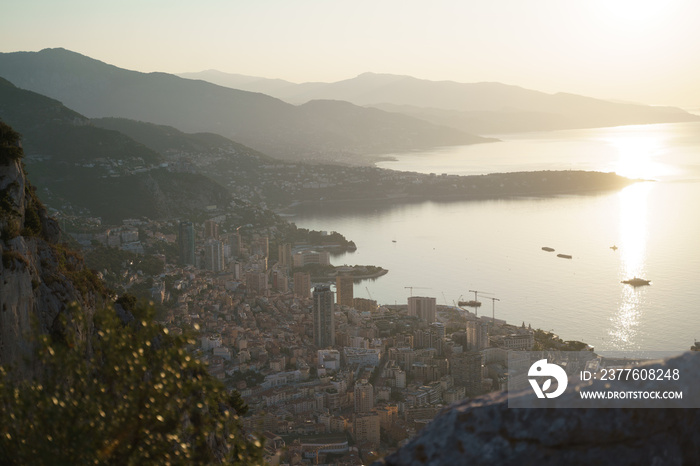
(642, 51)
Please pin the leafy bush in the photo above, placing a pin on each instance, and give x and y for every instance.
(10, 148)
(122, 394)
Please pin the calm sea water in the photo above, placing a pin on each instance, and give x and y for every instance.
(445, 249)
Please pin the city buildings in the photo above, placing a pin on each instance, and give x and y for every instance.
(257, 282)
(303, 258)
(344, 288)
(477, 335)
(364, 396)
(186, 243)
(302, 285)
(323, 307)
(284, 255)
(466, 371)
(214, 255)
(303, 365)
(211, 229)
(367, 429)
(234, 241)
(422, 307)
(280, 281)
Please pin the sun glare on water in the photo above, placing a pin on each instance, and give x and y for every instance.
(638, 153)
(634, 224)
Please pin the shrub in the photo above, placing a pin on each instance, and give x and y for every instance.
(119, 394)
(10, 147)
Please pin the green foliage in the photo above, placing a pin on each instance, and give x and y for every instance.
(317, 238)
(32, 218)
(114, 261)
(10, 148)
(9, 217)
(121, 394)
(71, 264)
(545, 341)
(316, 270)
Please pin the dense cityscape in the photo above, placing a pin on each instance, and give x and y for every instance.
(323, 371)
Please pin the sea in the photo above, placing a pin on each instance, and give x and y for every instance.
(449, 249)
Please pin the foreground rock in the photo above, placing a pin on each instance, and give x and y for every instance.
(38, 276)
(485, 431)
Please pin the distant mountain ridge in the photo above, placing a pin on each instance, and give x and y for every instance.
(98, 171)
(240, 81)
(265, 123)
(167, 140)
(479, 108)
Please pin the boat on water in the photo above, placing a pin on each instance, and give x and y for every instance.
(636, 281)
(565, 256)
(548, 249)
(470, 303)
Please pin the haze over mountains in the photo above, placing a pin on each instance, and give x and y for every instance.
(98, 171)
(319, 129)
(479, 108)
(330, 122)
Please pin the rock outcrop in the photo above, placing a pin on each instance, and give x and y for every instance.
(38, 276)
(484, 431)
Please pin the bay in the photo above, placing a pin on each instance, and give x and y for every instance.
(445, 249)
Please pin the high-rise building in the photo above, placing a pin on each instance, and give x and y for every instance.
(234, 240)
(466, 371)
(303, 258)
(344, 287)
(324, 325)
(256, 281)
(214, 255)
(477, 335)
(185, 240)
(388, 415)
(423, 308)
(211, 229)
(279, 280)
(284, 255)
(260, 245)
(439, 329)
(302, 284)
(364, 396)
(367, 429)
(237, 270)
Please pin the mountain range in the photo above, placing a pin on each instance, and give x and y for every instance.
(315, 130)
(479, 108)
(99, 171)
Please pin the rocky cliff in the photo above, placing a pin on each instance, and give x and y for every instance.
(38, 276)
(484, 431)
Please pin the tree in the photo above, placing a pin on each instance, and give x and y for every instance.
(118, 389)
(10, 146)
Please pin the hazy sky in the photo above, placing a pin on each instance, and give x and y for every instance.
(637, 50)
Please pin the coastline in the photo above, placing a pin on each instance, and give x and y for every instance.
(381, 272)
(399, 198)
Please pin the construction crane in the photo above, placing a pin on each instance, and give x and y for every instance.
(369, 294)
(493, 310)
(416, 287)
(476, 303)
